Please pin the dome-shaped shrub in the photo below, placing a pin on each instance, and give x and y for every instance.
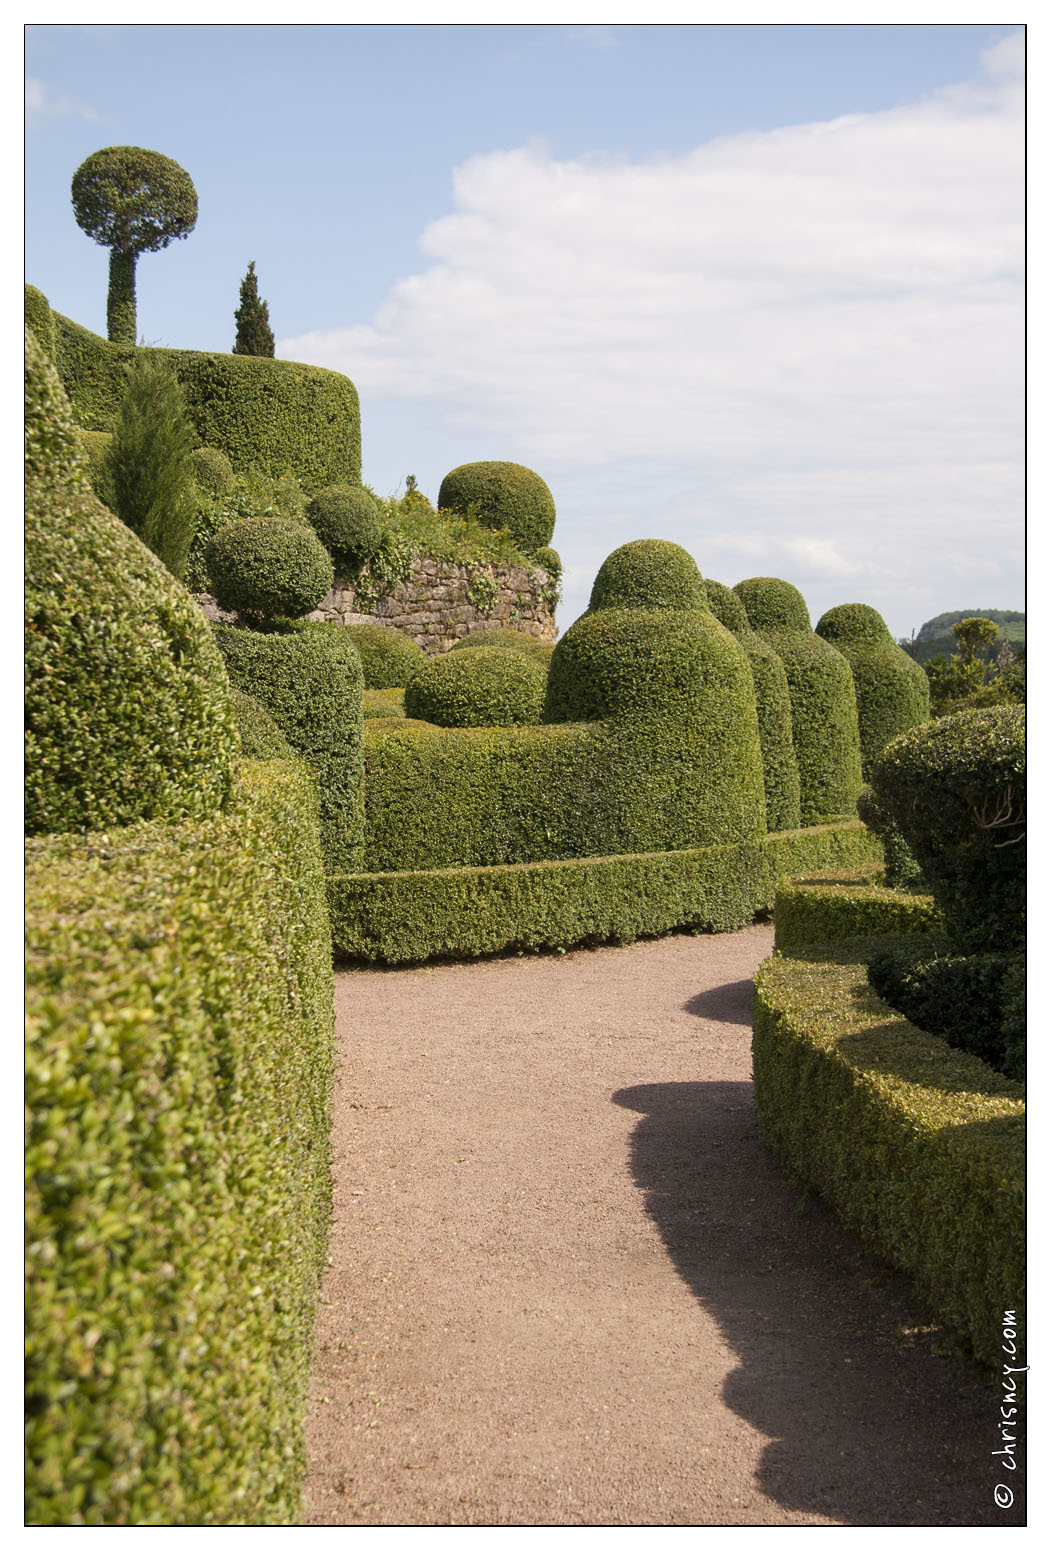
(891, 689)
(268, 568)
(348, 521)
(506, 496)
(261, 737)
(649, 574)
(212, 470)
(41, 320)
(821, 692)
(509, 640)
(389, 658)
(773, 707)
(482, 688)
(550, 559)
(128, 713)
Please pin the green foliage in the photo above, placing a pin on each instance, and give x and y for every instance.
(261, 738)
(903, 870)
(773, 708)
(508, 640)
(821, 694)
(504, 496)
(390, 564)
(252, 494)
(481, 688)
(254, 334)
(308, 677)
(852, 903)
(384, 702)
(149, 464)
(95, 446)
(178, 1081)
(131, 201)
(128, 713)
(407, 917)
(972, 635)
(968, 681)
(280, 417)
(267, 568)
(551, 561)
(918, 1148)
(959, 997)
(648, 573)
(955, 788)
(935, 637)
(389, 658)
(349, 523)
(212, 470)
(891, 690)
(40, 319)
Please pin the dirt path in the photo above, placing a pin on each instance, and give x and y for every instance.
(569, 1287)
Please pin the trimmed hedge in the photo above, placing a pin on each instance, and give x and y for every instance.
(409, 917)
(511, 640)
(261, 738)
(268, 568)
(384, 702)
(349, 522)
(920, 1149)
(649, 574)
(962, 998)
(892, 691)
(483, 688)
(821, 693)
(178, 1082)
(308, 677)
(389, 658)
(128, 711)
(278, 416)
(40, 319)
(505, 496)
(850, 903)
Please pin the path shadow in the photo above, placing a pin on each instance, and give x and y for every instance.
(724, 1004)
(869, 1423)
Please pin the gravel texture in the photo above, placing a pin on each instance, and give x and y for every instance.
(568, 1286)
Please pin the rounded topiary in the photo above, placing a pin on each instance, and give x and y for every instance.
(212, 470)
(128, 713)
(268, 568)
(649, 574)
(821, 693)
(773, 707)
(955, 788)
(41, 320)
(891, 689)
(261, 737)
(389, 658)
(507, 496)
(483, 688)
(550, 559)
(509, 640)
(96, 446)
(348, 521)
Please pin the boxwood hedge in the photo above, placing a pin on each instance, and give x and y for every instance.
(389, 658)
(505, 496)
(482, 688)
(891, 689)
(849, 903)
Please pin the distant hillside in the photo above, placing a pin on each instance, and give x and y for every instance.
(935, 636)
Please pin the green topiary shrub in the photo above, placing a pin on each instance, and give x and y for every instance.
(773, 707)
(648, 574)
(509, 640)
(128, 713)
(267, 568)
(891, 690)
(261, 738)
(389, 657)
(956, 790)
(821, 693)
(149, 464)
(505, 496)
(212, 470)
(40, 319)
(96, 445)
(960, 997)
(349, 523)
(384, 702)
(812, 912)
(483, 688)
(550, 559)
(902, 868)
(308, 677)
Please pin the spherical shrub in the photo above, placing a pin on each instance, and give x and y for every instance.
(212, 470)
(128, 713)
(891, 689)
(772, 604)
(505, 496)
(509, 640)
(649, 574)
(955, 788)
(727, 607)
(483, 688)
(388, 657)
(348, 521)
(550, 559)
(268, 568)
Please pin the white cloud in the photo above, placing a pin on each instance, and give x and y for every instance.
(42, 101)
(816, 330)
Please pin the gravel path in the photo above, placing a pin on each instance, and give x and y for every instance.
(567, 1285)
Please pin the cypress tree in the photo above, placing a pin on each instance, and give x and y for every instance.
(254, 334)
(150, 463)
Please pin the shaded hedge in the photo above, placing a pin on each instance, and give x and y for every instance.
(178, 1079)
(389, 658)
(261, 738)
(278, 416)
(920, 1149)
(212, 469)
(511, 640)
(40, 319)
(811, 911)
(892, 691)
(128, 712)
(821, 693)
(960, 997)
(308, 677)
(268, 568)
(409, 917)
(505, 496)
(481, 688)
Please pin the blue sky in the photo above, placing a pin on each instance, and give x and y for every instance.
(756, 289)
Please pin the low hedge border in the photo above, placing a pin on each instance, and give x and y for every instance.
(919, 1148)
(849, 903)
(179, 1072)
(409, 917)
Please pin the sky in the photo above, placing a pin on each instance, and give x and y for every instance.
(756, 289)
